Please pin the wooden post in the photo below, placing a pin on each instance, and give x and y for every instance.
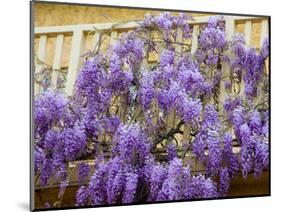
(194, 43)
(264, 34)
(171, 119)
(186, 138)
(122, 107)
(57, 60)
(77, 46)
(247, 32)
(229, 30)
(97, 39)
(187, 126)
(42, 56)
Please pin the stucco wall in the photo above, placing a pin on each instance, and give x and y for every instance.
(58, 14)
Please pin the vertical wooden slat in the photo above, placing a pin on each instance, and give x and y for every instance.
(42, 47)
(186, 138)
(145, 61)
(248, 33)
(229, 27)
(194, 43)
(77, 46)
(229, 30)
(97, 39)
(179, 39)
(171, 119)
(264, 34)
(122, 111)
(57, 60)
(113, 37)
(154, 104)
(264, 31)
(178, 49)
(155, 110)
(42, 56)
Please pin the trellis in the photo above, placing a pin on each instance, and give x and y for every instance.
(79, 35)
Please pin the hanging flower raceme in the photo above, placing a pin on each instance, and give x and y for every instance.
(211, 118)
(249, 130)
(265, 48)
(229, 158)
(155, 174)
(112, 183)
(146, 91)
(214, 153)
(209, 139)
(92, 85)
(120, 79)
(131, 144)
(172, 186)
(49, 109)
(189, 76)
(254, 65)
(212, 41)
(189, 109)
(224, 181)
(130, 48)
(166, 22)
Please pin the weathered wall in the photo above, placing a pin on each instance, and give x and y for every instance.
(58, 14)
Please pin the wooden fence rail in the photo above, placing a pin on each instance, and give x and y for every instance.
(78, 34)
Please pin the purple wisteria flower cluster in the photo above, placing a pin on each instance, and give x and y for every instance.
(136, 156)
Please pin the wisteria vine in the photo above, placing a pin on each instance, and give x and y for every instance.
(137, 156)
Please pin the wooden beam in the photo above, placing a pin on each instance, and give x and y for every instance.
(194, 42)
(57, 60)
(128, 25)
(77, 46)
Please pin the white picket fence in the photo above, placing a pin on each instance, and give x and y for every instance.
(79, 32)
